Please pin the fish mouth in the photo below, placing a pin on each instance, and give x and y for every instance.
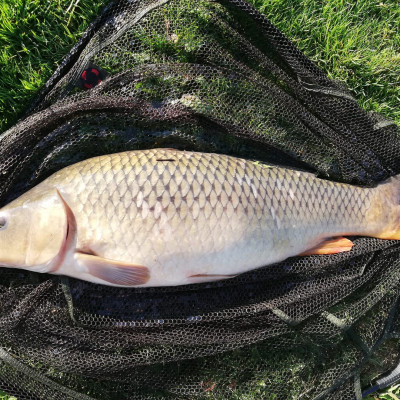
(69, 238)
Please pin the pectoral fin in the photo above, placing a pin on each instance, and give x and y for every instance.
(331, 246)
(114, 272)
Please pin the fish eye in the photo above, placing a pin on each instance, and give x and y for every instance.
(3, 222)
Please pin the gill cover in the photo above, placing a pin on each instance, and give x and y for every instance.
(33, 229)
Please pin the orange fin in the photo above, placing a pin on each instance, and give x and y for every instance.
(330, 246)
(114, 272)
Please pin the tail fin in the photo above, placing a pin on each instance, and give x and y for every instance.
(388, 195)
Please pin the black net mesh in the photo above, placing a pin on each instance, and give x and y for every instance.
(206, 76)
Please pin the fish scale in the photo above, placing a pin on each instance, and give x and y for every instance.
(165, 217)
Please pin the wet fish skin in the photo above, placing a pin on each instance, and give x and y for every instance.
(165, 217)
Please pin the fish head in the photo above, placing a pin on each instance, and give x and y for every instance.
(33, 229)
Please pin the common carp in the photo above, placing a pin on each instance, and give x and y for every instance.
(165, 217)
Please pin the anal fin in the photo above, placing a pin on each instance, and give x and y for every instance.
(113, 272)
(330, 246)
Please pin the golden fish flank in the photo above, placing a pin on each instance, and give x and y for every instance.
(167, 217)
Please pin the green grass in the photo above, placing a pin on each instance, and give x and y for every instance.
(34, 36)
(3, 396)
(392, 393)
(355, 42)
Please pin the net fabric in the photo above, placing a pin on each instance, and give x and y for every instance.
(205, 76)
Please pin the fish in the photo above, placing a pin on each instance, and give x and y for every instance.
(164, 217)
